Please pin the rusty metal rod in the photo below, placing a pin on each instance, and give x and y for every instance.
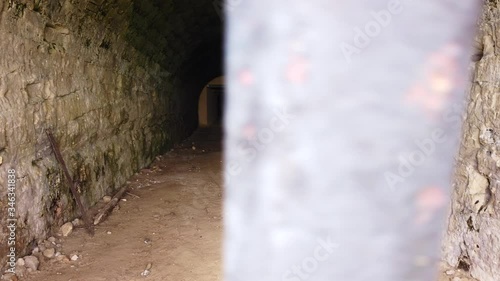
(72, 185)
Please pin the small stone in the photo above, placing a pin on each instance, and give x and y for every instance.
(52, 239)
(20, 271)
(147, 271)
(457, 279)
(124, 200)
(62, 258)
(74, 257)
(41, 248)
(57, 254)
(109, 232)
(66, 229)
(35, 251)
(1, 160)
(9, 277)
(193, 147)
(106, 199)
(77, 222)
(48, 244)
(450, 272)
(20, 262)
(49, 253)
(31, 262)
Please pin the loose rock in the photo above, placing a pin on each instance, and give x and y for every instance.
(20, 270)
(66, 229)
(9, 277)
(62, 258)
(49, 253)
(31, 262)
(20, 262)
(147, 271)
(77, 222)
(74, 257)
(48, 244)
(52, 239)
(106, 199)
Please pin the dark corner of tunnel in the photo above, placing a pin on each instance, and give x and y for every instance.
(185, 38)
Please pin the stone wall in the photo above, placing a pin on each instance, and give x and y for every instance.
(472, 241)
(110, 79)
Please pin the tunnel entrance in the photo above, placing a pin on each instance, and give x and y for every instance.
(211, 103)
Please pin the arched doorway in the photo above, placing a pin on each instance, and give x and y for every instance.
(211, 103)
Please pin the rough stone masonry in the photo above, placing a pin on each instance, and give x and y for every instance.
(472, 241)
(315, 204)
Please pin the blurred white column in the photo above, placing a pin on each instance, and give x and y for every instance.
(342, 121)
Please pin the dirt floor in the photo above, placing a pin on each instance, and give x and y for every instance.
(171, 220)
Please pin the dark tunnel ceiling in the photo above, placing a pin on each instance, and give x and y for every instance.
(183, 36)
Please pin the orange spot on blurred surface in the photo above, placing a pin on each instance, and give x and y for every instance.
(249, 131)
(428, 202)
(246, 78)
(298, 69)
(432, 92)
(441, 84)
(431, 197)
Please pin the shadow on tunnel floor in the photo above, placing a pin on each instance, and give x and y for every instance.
(205, 139)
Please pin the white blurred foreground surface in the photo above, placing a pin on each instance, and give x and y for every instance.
(342, 121)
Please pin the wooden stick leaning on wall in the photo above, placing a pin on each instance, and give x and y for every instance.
(72, 184)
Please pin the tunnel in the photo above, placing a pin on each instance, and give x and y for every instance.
(111, 140)
(117, 83)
